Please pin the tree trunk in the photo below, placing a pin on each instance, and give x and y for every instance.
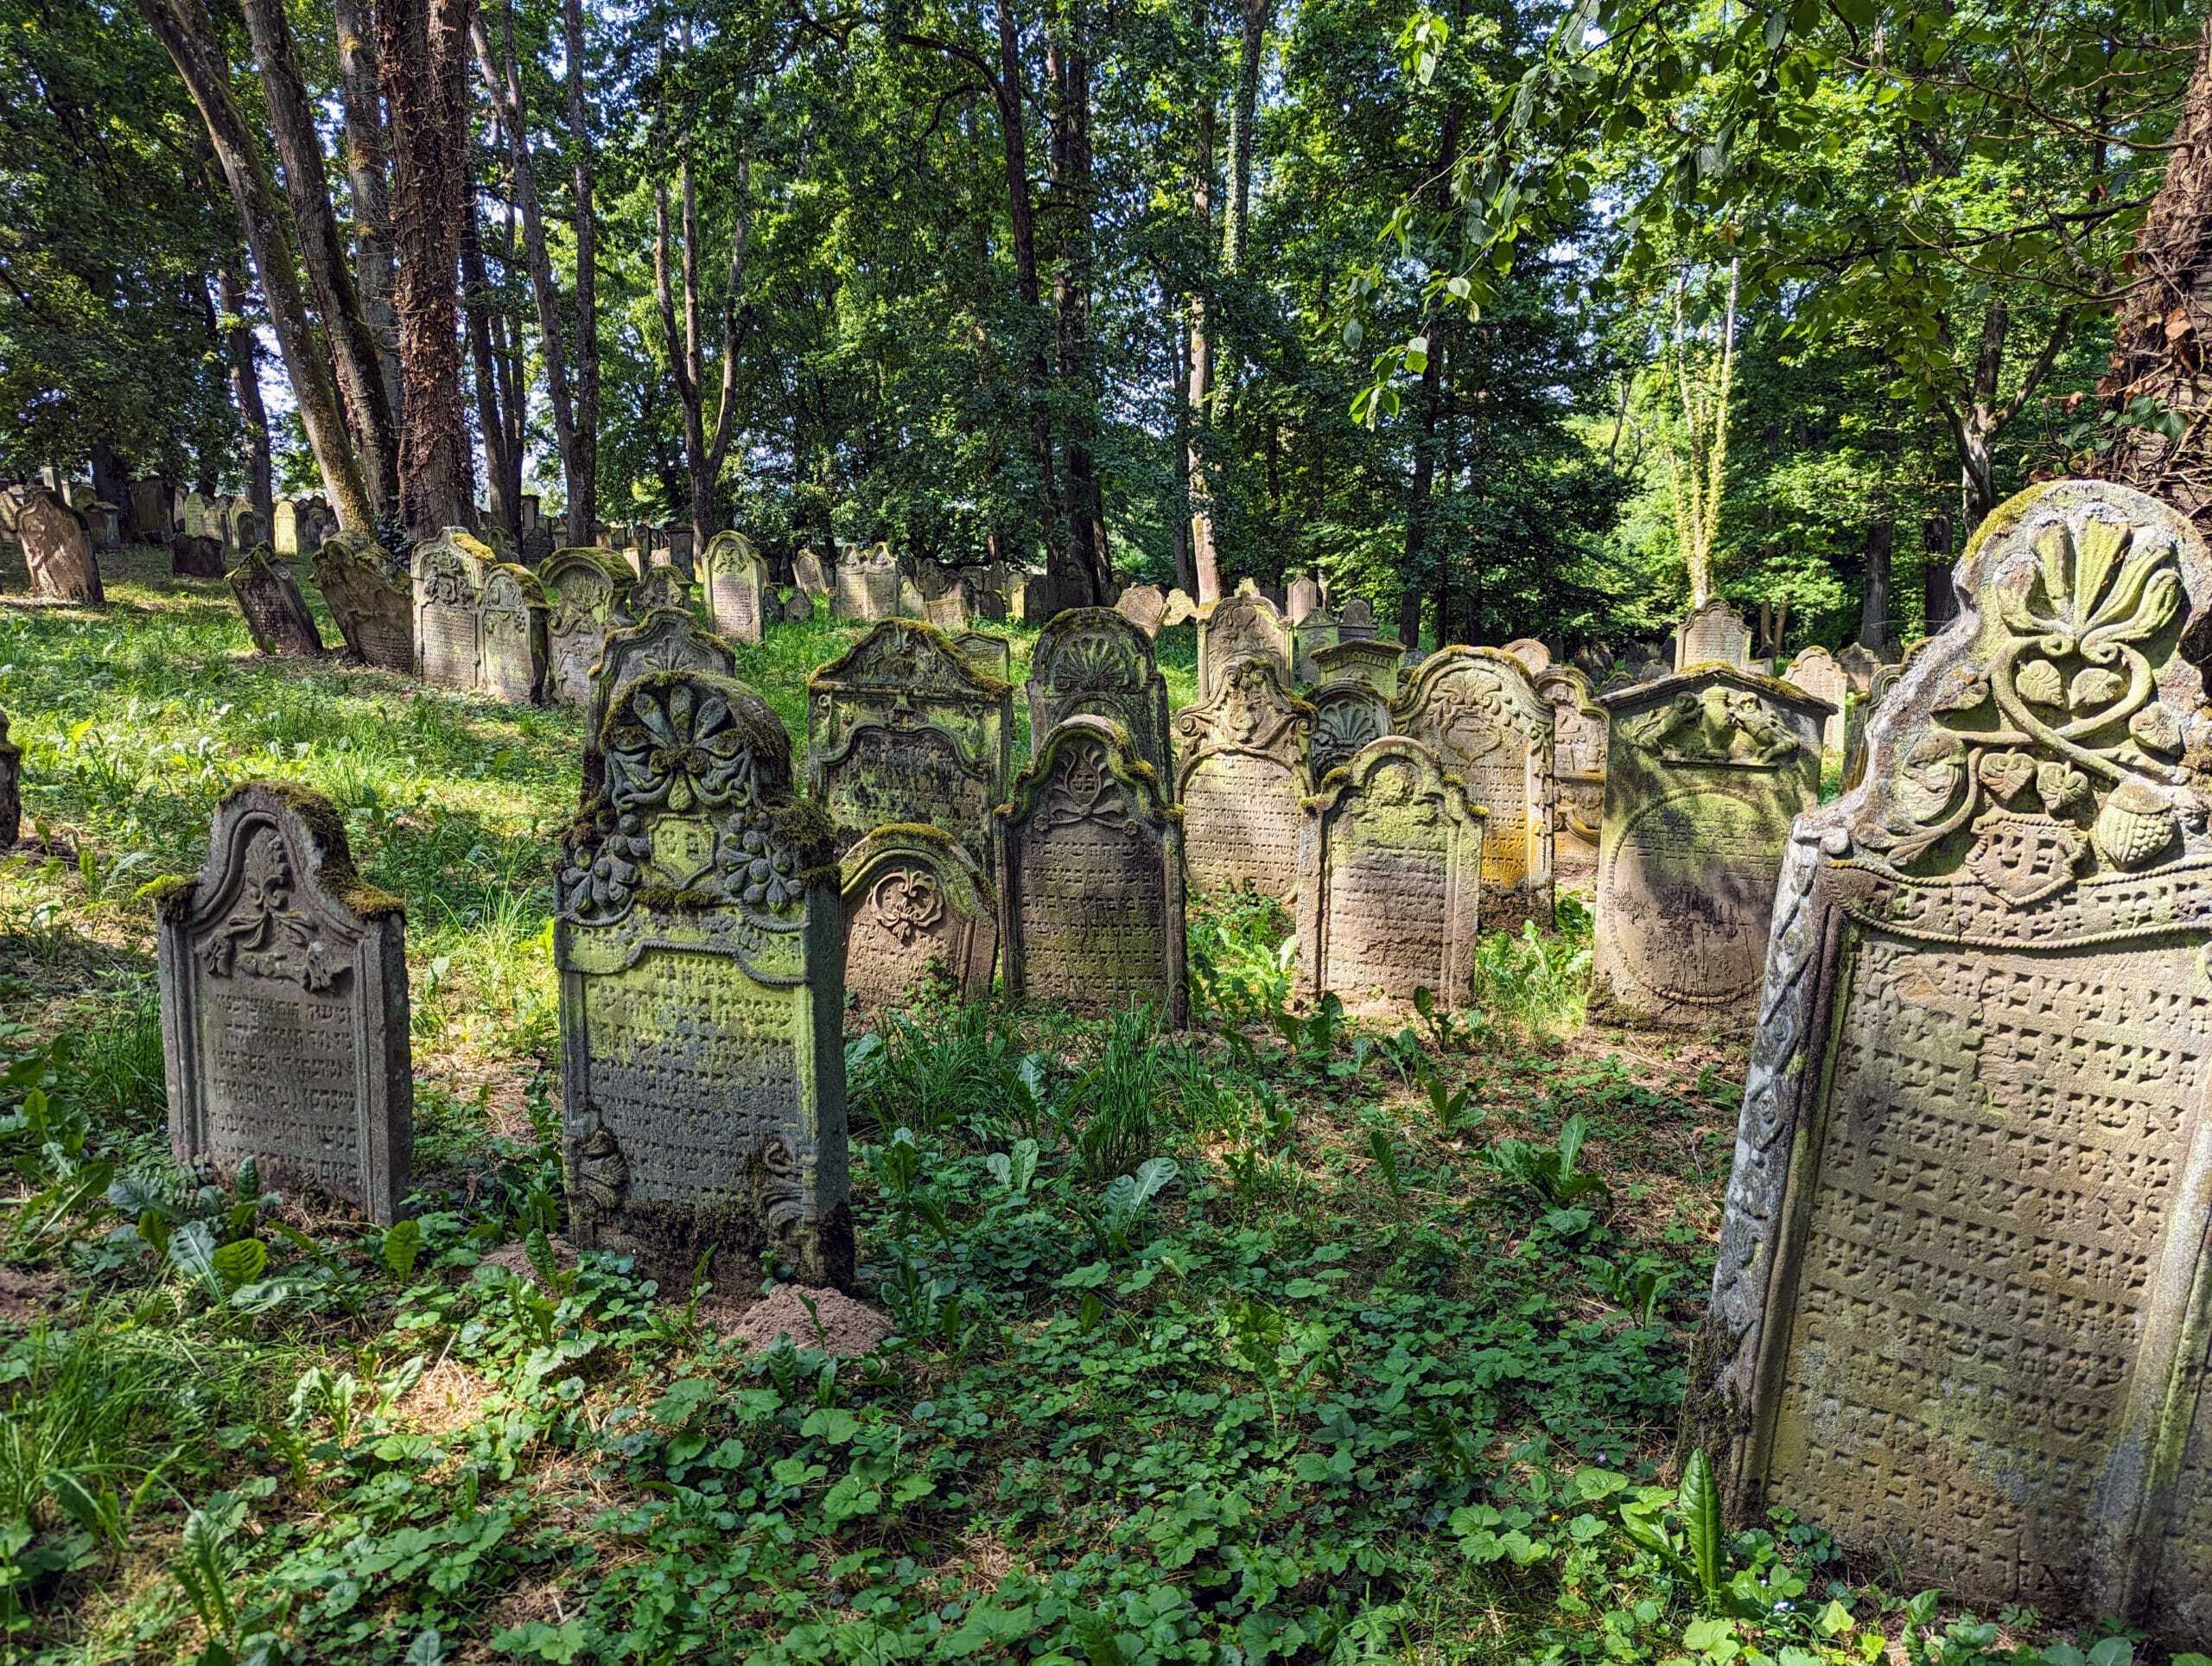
(1072, 197)
(2163, 323)
(1006, 87)
(1243, 116)
(1204, 557)
(307, 189)
(1178, 506)
(502, 470)
(583, 496)
(1418, 560)
(246, 387)
(1938, 596)
(188, 35)
(1876, 629)
(683, 338)
(361, 98)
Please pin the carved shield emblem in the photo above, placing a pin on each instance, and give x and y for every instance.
(2024, 859)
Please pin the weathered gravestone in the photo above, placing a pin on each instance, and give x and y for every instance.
(797, 607)
(811, 574)
(369, 594)
(191, 555)
(1531, 653)
(867, 583)
(450, 574)
(1144, 606)
(200, 518)
(103, 524)
(1366, 659)
(588, 592)
(1857, 715)
(1356, 623)
(991, 655)
(700, 944)
(1705, 772)
(284, 528)
(283, 983)
(1389, 880)
(243, 525)
(1714, 634)
(662, 586)
(1180, 609)
(1090, 876)
(1245, 626)
(1577, 767)
(57, 554)
(514, 634)
(150, 510)
(1241, 763)
(1313, 636)
(902, 728)
(1815, 671)
(1347, 716)
(11, 788)
(1303, 599)
(1959, 1314)
(1859, 663)
(919, 911)
(277, 615)
(736, 581)
(664, 641)
(1476, 710)
(1092, 662)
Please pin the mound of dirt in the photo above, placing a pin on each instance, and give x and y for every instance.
(838, 1325)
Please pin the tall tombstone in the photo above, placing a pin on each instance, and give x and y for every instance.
(1241, 774)
(284, 1017)
(1303, 599)
(811, 574)
(276, 616)
(902, 728)
(1245, 626)
(449, 572)
(736, 579)
(588, 594)
(1144, 606)
(11, 788)
(57, 554)
(370, 597)
(1348, 714)
(1579, 736)
(1315, 634)
(664, 641)
(1477, 709)
(150, 520)
(919, 913)
(1370, 660)
(867, 583)
(1092, 662)
(1532, 653)
(1714, 634)
(1816, 671)
(1959, 1313)
(700, 944)
(284, 528)
(514, 634)
(1705, 772)
(1389, 880)
(1090, 876)
(1356, 621)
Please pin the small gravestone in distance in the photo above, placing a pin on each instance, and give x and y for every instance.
(1705, 772)
(1180, 609)
(736, 581)
(1241, 763)
(1347, 716)
(991, 655)
(11, 788)
(1356, 621)
(1531, 653)
(1859, 663)
(919, 913)
(811, 574)
(1816, 671)
(1313, 636)
(949, 612)
(588, 594)
(191, 555)
(1144, 606)
(1389, 880)
(797, 607)
(57, 554)
(514, 635)
(1245, 626)
(368, 594)
(1092, 662)
(277, 615)
(1303, 599)
(449, 572)
(664, 641)
(662, 586)
(699, 939)
(284, 1018)
(284, 528)
(1090, 876)
(1577, 767)
(150, 498)
(867, 583)
(1713, 635)
(1370, 660)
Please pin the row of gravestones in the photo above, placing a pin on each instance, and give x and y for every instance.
(1960, 1317)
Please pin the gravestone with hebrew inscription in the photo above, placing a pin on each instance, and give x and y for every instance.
(1090, 876)
(370, 596)
(736, 581)
(1245, 626)
(1816, 670)
(1714, 634)
(1705, 772)
(1347, 716)
(1477, 709)
(918, 914)
(284, 1017)
(664, 640)
(1241, 760)
(700, 943)
(57, 553)
(277, 615)
(867, 583)
(449, 572)
(1578, 730)
(588, 594)
(991, 655)
(1302, 599)
(514, 634)
(902, 728)
(11, 788)
(1389, 880)
(1092, 662)
(1958, 1316)
(812, 573)
(1370, 660)
(284, 528)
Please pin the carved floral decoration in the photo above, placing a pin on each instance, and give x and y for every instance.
(266, 934)
(445, 581)
(1083, 789)
(907, 904)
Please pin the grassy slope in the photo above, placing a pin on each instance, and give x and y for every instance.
(1343, 1367)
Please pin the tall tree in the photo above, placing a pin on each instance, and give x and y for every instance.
(361, 99)
(230, 321)
(583, 505)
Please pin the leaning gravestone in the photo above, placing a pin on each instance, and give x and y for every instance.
(902, 728)
(1347, 716)
(699, 939)
(1092, 662)
(1531, 653)
(1714, 634)
(1241, 763)
(368, 594)
(1705, 772)
(736, 579)
(811, 574)
(1389, 880)
(664, 641)
(57, 554)
(1144, 606)
(1090, 876)
(1577, 767)
(283, 981)
(449, 572)
(276, 616)
(919, 911)
(1368, 659)
(1246, 626)
(11, 788)
(1476, 710)
(1958, 1318)
(514, 635)
(588, 594)
(1816, 671)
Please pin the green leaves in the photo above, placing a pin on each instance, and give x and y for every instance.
(1699, 1502)
(402, 1244)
